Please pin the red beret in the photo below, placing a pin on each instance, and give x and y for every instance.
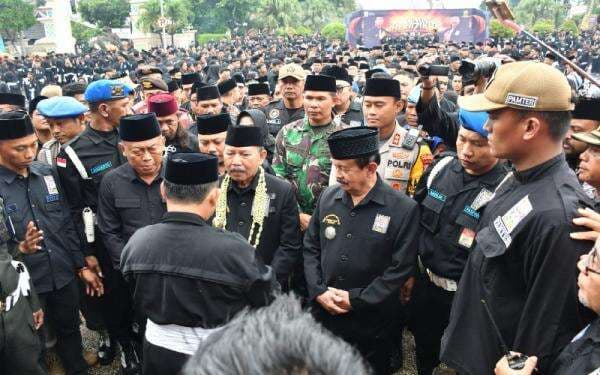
(163, 105)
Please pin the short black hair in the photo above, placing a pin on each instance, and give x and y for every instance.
(188, 193)
(558, 122)
(366, 160)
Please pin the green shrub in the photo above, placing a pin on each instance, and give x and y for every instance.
(543, 27)
(334, 30)
(570, 26)
(210, 37)
(498, 30)
(82, 33)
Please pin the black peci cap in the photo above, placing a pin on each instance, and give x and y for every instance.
(213, 124)
(353, 143)
(382, 87)
(137, 128)
(12, 99)
(15, 125)
(320, 83)
(207, 93)
(244, 136)
(191, 169)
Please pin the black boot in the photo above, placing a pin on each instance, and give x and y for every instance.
(130, 362)
(107, 349)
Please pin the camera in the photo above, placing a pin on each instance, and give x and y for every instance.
(472, 71)
(426, 70)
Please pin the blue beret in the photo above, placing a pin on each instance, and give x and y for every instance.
(61, 107)
(105, 90)
(474, 121)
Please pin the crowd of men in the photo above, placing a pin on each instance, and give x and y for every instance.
(173, 197)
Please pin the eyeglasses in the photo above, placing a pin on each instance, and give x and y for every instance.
(592, 259)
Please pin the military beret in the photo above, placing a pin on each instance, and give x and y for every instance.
(106, 90)
(61, 107)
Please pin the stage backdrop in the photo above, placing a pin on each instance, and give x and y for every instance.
(369, 27)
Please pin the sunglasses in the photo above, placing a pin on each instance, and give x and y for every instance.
(592, 259)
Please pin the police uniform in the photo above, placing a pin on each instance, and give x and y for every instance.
(39, 198)
(19, 342)
(58, 107)
(209, 276)
(368, 250)
(523, 262)
(451, 202)
(279, 244)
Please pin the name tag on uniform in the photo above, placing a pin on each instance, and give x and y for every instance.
(52, 198)
(354, 123)
(381, 223)
(467, 236)
(50, 185)
(101, 167)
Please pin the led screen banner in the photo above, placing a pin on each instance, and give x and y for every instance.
(370, 28)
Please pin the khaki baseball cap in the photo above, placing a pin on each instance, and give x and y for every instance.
(591, 138)
(292, 70)
(525, 85)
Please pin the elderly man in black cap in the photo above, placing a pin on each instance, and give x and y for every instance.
(259, 95)
(41, 229)
(177, 137)
(360, 248)
(301, 151)
(259, 206)
(188, 277)
(212, 130)
(584, 118)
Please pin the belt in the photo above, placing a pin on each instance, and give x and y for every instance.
(442, 282)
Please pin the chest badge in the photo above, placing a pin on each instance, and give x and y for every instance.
(330, 232)
(381, 223)
(331, 221)
(274, 113)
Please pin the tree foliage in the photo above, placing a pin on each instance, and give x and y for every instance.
(177, 11)
(498, 30)
(543, 27)
(334, 30)
(82, 33)
(15, 17)
(105, 13)
(528, 12)
(570, 26)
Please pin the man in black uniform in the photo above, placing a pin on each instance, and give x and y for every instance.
(212, 130)
(451, 195)
(520, 263)
(129, 196)
(290, 108)
(177, 138)
(257, 205)
(259, 95)
(347, 109)
(360, 248)
(189, 278)
(81, 165)
(41, 228)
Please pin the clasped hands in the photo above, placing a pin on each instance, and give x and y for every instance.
(335, 301)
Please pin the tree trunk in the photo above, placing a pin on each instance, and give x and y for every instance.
(173, 40)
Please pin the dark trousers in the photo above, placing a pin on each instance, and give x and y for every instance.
(377, 353)
(19, 342)
(91, 309)
(161, 361)
(430, 314)
(61, 309)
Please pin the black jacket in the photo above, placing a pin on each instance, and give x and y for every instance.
(450, 211)
(40, 198)
(524, 266)
(99, 153)
(126, 204)
(280, 243)
(369, 250)
(582, 355)
(278, 115)
(186, 272)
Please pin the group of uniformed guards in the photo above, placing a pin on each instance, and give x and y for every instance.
(161, 220)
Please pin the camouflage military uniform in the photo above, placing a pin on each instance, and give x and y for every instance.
(302, 157)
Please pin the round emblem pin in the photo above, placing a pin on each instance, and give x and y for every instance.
(274, 113)
(330, 233)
